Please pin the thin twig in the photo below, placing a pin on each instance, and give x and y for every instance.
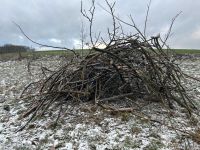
(146, 19)
(40, 44)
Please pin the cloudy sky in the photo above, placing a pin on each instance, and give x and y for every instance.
(58, 22)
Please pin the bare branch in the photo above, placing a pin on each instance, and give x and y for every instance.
(111, 36)
(170, 29)
(40, 44)
(146, 19)
(126, 23)
(97, 37)
(89, 18)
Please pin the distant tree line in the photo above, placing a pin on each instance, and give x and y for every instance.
(9, 48)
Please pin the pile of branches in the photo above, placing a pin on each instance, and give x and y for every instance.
(130, 66)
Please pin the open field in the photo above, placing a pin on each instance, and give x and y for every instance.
(85, 51)
(37, 54)
(187, 51)
(88, 129)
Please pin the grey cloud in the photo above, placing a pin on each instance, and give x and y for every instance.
(61, 20)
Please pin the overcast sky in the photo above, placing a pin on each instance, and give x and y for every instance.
(58, 22)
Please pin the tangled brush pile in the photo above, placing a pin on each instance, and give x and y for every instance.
(129, 66)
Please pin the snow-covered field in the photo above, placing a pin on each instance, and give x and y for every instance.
(81, 128)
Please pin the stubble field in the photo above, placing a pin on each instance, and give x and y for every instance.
(82, 128)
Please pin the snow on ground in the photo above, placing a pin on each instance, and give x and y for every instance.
(82, 129)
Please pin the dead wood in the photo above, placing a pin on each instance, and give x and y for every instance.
(130, 66)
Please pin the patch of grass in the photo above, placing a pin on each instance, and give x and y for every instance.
(60, 52)
(129, 143)
(125, 116)
(44, 140)
(38, 54)
(154, 145)
(155, 135)
(52, 125)
(187, 51)
(9, 56)
(65, 53)
(136, 130)
(193, 121)
(31, 126)
(21, 148)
